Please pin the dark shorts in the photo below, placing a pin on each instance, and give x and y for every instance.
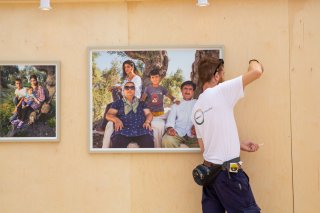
(229, 193)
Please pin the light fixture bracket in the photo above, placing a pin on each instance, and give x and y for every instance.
(202, 3)
(45, 5)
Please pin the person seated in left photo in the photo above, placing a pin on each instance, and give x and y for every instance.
(19, 93)
(30, 100)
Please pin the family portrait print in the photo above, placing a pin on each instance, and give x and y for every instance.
(29, 102)
(137, 96)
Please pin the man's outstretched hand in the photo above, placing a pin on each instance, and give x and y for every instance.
(249, 146)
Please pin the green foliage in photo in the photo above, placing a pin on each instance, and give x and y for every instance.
(102, 82)
(172, 84)
(6, 109)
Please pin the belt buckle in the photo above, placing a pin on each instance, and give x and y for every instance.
(234, 167)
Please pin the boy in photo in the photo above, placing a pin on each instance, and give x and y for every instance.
(153, 96)
(19, 93)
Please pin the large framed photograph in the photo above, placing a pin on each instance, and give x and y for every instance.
(29, 101)
(141, 98)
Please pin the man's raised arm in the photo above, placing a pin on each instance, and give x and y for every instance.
(255, 70)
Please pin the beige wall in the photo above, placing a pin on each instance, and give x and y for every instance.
(305, 103)
(280, 110)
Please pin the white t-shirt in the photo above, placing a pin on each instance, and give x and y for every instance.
(214, 121)
(21, 93)
(137, 84)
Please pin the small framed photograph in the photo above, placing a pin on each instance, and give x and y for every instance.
(141, 98)
(29, 101)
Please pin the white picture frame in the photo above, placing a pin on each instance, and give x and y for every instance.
(45, 125)
(100, 61)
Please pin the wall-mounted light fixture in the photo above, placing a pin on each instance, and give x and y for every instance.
(202, 3)
(45, 5)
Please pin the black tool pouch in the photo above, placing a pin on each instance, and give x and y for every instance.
(204, 175)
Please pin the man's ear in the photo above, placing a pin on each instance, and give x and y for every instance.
(217, 77)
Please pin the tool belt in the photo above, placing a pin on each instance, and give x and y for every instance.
(232, 165)
(205, 173)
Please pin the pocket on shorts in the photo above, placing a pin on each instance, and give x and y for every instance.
(239, 182)
(241, 191)
(252, 209)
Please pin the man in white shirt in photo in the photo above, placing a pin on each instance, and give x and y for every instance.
(218, 137)
(179, 128)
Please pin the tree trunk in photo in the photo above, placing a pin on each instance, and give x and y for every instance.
(201, 55)
(151, 59)
(50, 83)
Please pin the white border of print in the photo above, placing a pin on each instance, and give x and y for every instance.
(136, 150)
(39, 139)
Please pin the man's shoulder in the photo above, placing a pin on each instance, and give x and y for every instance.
(203, 97)
(175, 106)
(202, 103)
(187, 103)
(230, 82)
(194, 101)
